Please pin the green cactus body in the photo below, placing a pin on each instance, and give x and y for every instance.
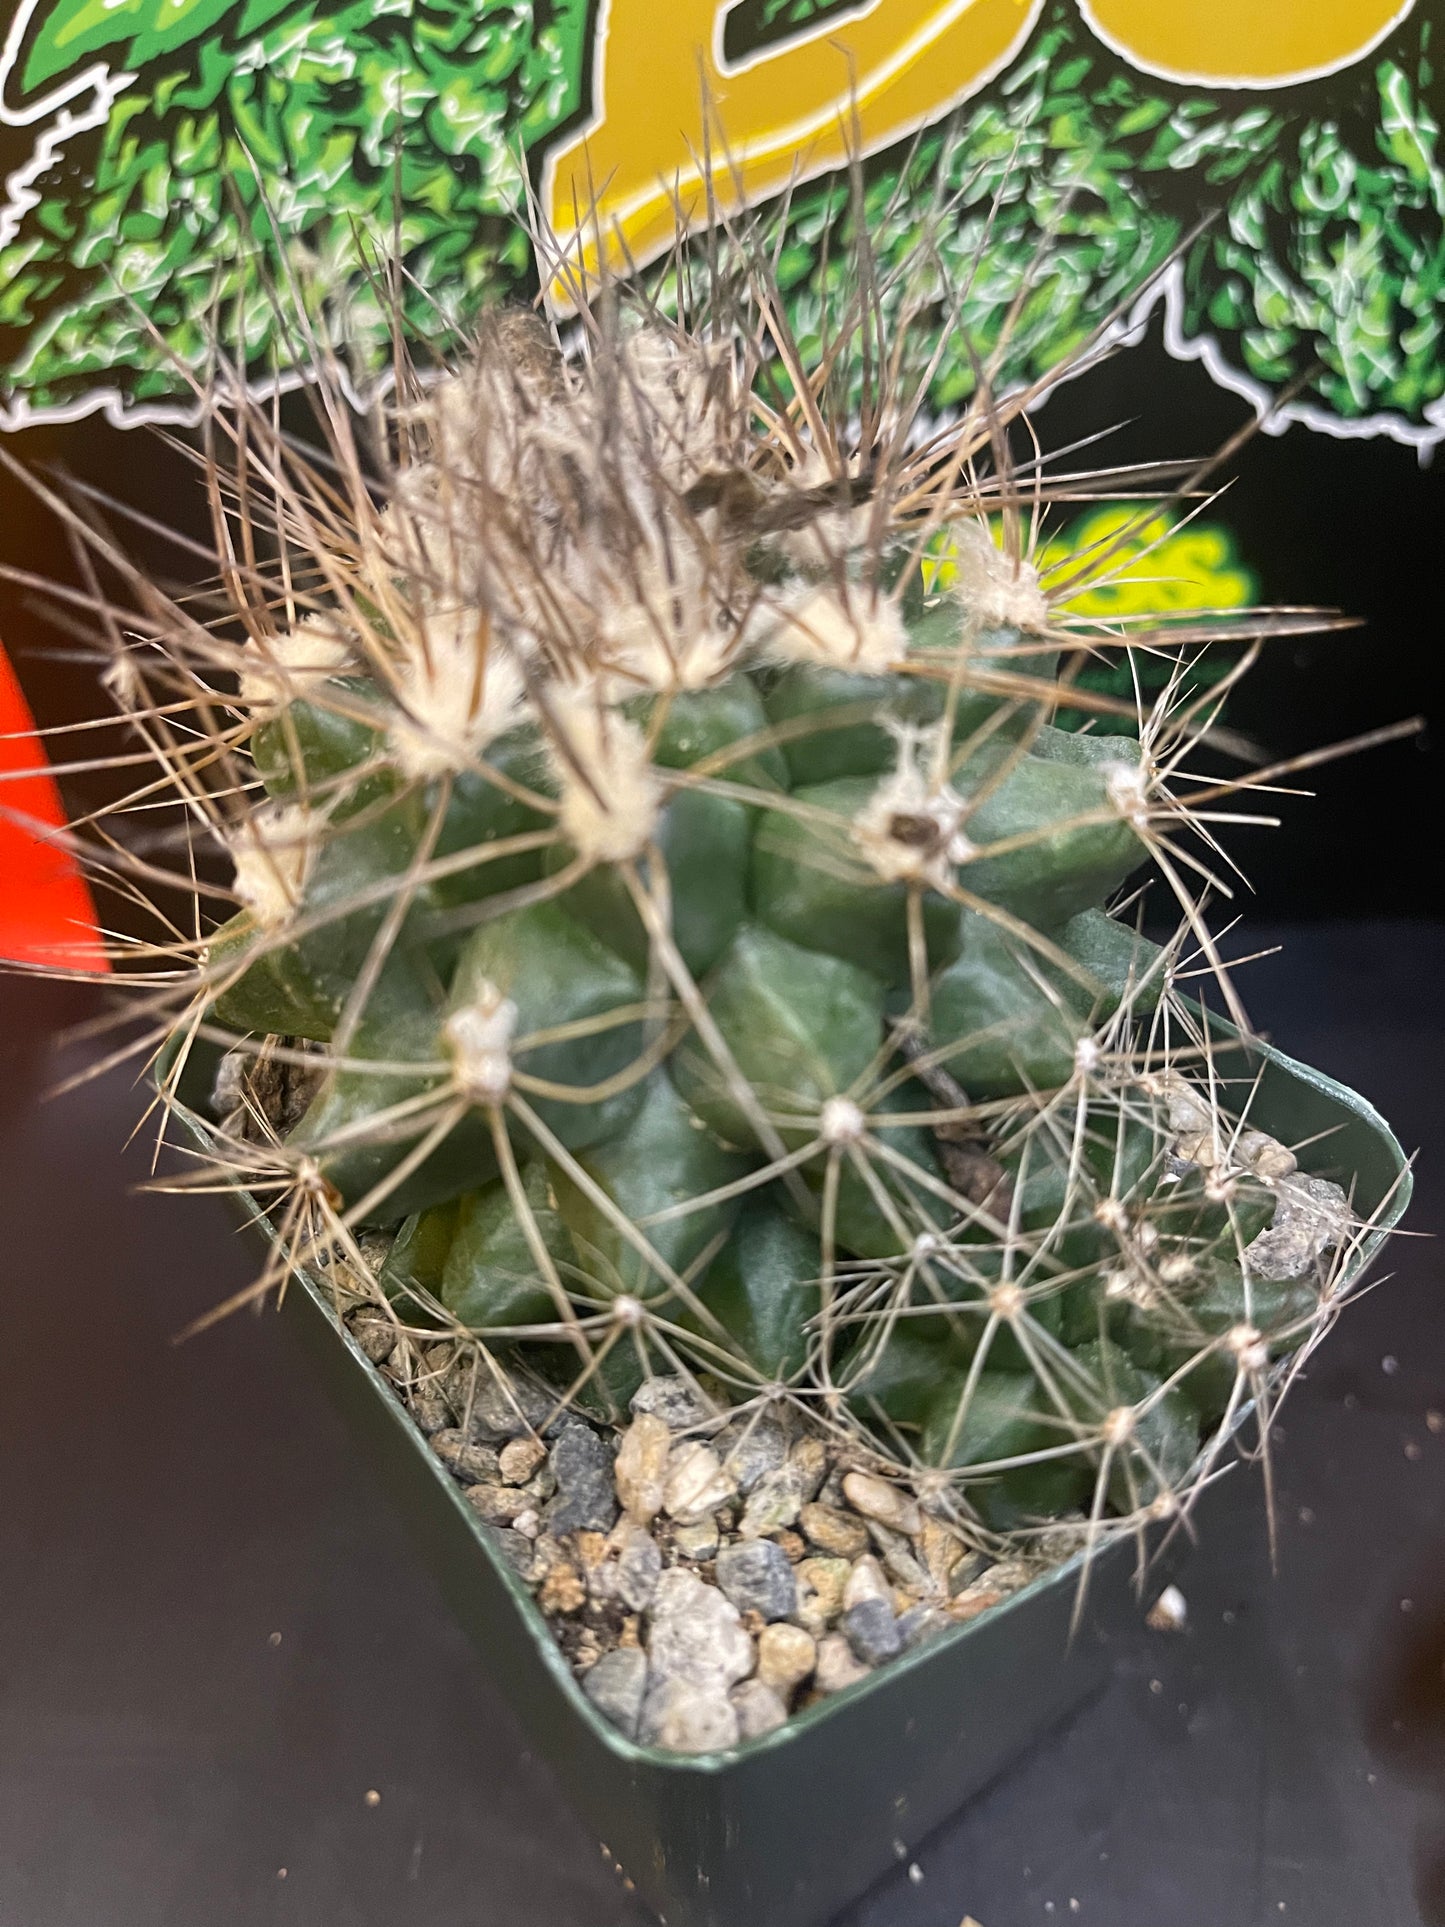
(705, 944)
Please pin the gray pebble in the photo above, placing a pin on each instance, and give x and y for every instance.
(872, 1631)
(672, 1400)
(582, 1466)
(750, 1449)
(758, 1708)
(495, 1408)
(638, 1569)
(696, 1634)
(617, 1686)
(773, 1504)
(757, 1577)
(973, 1565)
(429, 1407)
(515, 1548)
(685, 1717)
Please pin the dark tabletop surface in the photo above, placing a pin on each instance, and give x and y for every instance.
(217, 1646)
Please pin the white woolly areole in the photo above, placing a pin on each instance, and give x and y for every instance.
(908, 830)
(656, 627)
(1128, 787)
(272, 853)
(479, 1040)
(286, 666)
(841, 1122)
(461, 688)
(610, 792)
(996, 592)
(865, 633)
(832, 533)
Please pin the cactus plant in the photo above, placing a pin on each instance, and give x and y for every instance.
(669, 938)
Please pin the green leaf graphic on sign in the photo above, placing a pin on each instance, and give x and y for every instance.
(72, 30)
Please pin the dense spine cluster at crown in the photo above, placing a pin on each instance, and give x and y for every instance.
(671, 936)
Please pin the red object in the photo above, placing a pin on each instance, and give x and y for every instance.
(47, 915)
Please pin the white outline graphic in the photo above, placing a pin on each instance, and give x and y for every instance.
(105, 85)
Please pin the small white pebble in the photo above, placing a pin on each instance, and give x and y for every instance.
(273, 1639)
(1413, 1450)
(1073, 1905)
(1407, 1605)
(1156, 1686)
(1306, 1515)
(1228, 1615)
(1435, 1421)
(373, 1798)
(915, 1874)
(1389, 1364)
(280, 1873)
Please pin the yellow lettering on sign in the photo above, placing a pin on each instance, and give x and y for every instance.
(662, 89)
(1243, 43)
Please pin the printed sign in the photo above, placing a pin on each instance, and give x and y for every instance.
(1272, 174)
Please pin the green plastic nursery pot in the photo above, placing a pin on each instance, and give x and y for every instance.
(786, 1830)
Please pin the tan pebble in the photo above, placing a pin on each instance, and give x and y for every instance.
(864, 1581)
(528, 1523)
(972, 1601)
(820, 1594)
(477, 1464)
(519, 1459)
(631, 1633)
(1435, 1421)
(793, 1546)
(696, 1483)
(1265, 1154)
(836, 1666)
(1009, 1574)
(836, 1533)
(786, 1657)
(376, 1337)
(641, 1469)
(591, 1549)
(562, 1590)
(940, 1549)
(877, 1500)
(499, 1505)
(809, 1460)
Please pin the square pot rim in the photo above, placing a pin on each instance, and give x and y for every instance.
(716, 1764)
